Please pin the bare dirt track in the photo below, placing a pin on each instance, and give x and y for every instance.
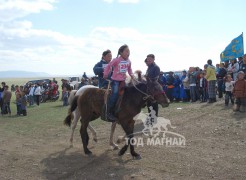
(37, 147)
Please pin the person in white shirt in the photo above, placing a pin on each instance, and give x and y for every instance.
(229, 88)
(37, 93)
(31, 95)
(234, 68)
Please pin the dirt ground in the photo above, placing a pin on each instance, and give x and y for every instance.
(39, 148)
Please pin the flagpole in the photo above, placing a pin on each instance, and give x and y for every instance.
(243, 44)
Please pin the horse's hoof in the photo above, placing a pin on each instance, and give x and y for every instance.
(120, 154)
(114, 147)
(89, 153)
(138, 157)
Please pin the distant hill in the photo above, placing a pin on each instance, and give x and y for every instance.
(22, 74)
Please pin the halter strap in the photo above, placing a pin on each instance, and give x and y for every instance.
(147, 96)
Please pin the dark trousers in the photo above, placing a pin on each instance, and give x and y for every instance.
(220, 88)
(170, 94)
(6, 108)
(203, 93)
(229, 96)
(1, 104)
(65, 101)
(193, 93)
(154, 105)
(18, 106)
(37, 99)
(187, 92)
(197, 92)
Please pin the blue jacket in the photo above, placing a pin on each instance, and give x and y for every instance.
(98, 70)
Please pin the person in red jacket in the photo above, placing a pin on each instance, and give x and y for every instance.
(239, 93)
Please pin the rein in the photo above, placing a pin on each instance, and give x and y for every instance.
(147, 96)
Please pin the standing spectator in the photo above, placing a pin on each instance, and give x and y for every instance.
(234, 68)
(152, 74)
(1, 95)
(243, 67)
(100, 66)
(18, 104)
(65, 83)
(17, 89)
(220, 79)
(6, 100)
(211, 78)
(227, 64)
(176, 89)
(185, 88)
(240, 63)
(239, 93)
(203, 87)
(23, 103)
(55, 81)
(170, 86)
(197, 89)
(228, 88)
(18, 101)
(192, 82)
(217, 68)
(37, 94)
(12, 88)
(83, 83)
(85, 76)
(31, 95)
(162, 80)
(65, 95)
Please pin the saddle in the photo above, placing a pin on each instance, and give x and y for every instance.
(107, 94)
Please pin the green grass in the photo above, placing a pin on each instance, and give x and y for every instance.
(39, 119)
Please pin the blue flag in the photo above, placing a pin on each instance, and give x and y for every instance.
(233, 50)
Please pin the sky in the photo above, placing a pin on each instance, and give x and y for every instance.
(67, 37)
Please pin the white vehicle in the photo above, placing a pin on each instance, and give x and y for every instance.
(74, 82)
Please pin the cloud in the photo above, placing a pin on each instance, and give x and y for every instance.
(23, 46)
(13, 9)
(123, 1)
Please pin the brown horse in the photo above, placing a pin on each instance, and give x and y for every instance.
(90, 105)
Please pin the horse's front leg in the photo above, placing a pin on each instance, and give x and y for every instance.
(128, 127)
(84, 134)
(111, 139)
(133, 152)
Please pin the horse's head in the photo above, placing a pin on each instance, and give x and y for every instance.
(155, 90)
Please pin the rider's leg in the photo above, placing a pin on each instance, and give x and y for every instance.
(112, 101)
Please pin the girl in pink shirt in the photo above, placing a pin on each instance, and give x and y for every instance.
(118, 67)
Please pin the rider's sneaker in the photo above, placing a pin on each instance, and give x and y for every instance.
(111, 117)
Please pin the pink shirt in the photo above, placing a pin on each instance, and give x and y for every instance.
(120, 67)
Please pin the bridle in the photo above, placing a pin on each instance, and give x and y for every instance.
(147, 96)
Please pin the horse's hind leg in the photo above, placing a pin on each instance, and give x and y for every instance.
(74, 124)
(94, 134)
(111, 139)
(84, 135)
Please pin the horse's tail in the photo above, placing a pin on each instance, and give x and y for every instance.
(73, 106)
